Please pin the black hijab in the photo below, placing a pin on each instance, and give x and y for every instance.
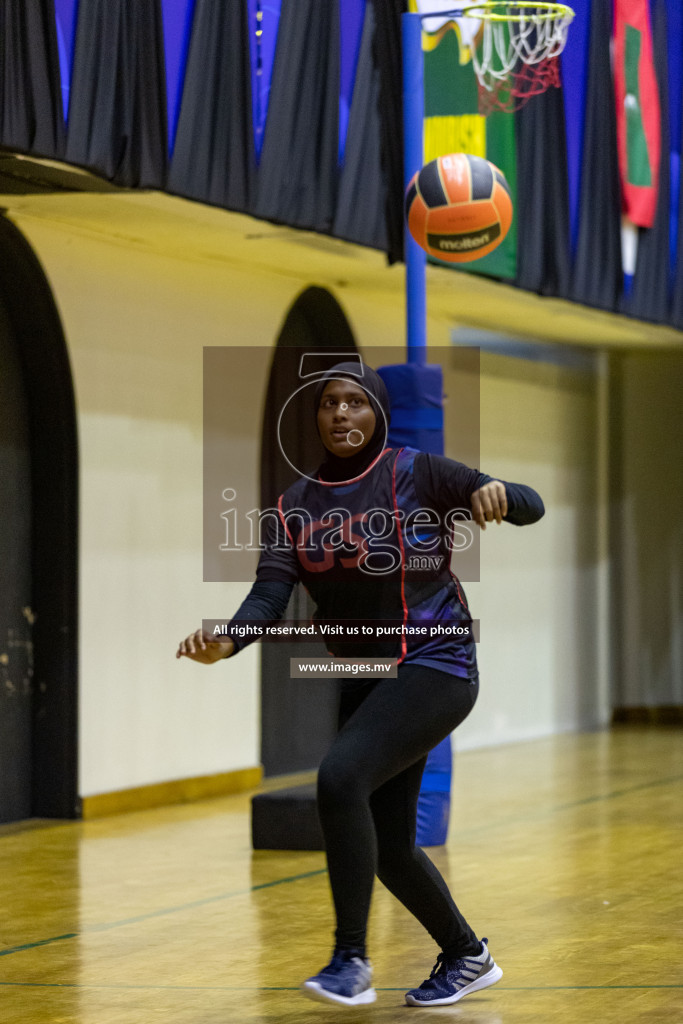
(335, 469)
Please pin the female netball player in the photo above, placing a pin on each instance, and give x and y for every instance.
(369, 782)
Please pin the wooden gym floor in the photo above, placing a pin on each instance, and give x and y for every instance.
(567, 853)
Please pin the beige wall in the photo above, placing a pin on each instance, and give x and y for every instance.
(139, 299)
(541, 595)
(648, 531)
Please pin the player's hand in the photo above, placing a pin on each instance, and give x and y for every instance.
(201, 647)
(490, 503)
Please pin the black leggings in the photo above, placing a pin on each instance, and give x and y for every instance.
(368, 787)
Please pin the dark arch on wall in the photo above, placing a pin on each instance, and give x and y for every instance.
(298, 716)
(37, 332)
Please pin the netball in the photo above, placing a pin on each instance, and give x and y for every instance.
(458, 207)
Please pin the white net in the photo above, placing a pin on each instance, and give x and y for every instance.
(516, 48)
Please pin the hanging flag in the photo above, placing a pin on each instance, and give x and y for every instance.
(453, 123)
(638, 115)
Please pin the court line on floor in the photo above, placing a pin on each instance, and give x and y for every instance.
(559, 808)
(165, 911)
(617, 793)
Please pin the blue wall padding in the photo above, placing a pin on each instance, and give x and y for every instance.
(416, 393)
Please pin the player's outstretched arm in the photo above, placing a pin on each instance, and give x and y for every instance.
(199, 646)
(499, 500)
(265, 603)
(444, 484)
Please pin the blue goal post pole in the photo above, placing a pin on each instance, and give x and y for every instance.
(416, 393)
(413, 155)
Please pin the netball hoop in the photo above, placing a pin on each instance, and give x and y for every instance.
(515, 50)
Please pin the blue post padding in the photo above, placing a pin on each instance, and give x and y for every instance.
(416, 394)
(433, 812)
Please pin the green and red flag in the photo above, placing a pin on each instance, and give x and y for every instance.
(638, 114)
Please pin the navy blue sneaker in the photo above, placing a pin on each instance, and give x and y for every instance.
(454, 978)
(346, 980)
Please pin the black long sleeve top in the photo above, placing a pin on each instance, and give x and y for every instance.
(441, 484)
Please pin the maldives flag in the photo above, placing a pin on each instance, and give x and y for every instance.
(638, 119)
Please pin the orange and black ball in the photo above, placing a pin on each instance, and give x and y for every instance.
(458, 207)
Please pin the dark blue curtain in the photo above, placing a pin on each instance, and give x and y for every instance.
(298, 171)
(649, 298)
(117, 107)
(31, 117)
(117, 126)
(574, 64)
(676, 314)
(214, 158)
(597, 275)
(360, 215)
(674, 26)
(387, 58)
(543, 230)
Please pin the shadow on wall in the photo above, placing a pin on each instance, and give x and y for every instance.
(298, 716)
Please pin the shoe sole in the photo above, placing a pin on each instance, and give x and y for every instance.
(321, 995)
(490, 978)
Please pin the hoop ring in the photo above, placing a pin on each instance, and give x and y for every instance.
(488, 11)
